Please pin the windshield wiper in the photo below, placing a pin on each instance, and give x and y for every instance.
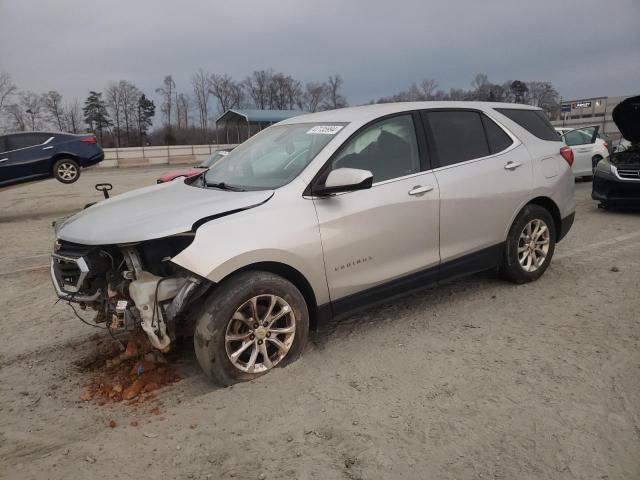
(225, 186)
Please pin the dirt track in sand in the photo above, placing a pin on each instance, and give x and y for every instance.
(475, 379)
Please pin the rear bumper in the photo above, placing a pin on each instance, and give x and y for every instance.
(565, 225)
(97, 158)
(610, 190)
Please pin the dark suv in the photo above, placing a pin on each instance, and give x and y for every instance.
(34, 155)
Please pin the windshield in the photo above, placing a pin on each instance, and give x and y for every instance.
(272, 158)
(214, 158)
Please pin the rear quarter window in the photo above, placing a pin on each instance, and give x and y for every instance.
(533, 121)
(496, 136)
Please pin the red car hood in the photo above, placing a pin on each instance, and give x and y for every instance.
(183, 172)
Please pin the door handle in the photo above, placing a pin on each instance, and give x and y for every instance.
(419, 189)
(4, 160)
(48, 148)
(512, 165)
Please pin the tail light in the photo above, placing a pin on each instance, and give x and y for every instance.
(91, 139)
(606, 145)
(567, 154)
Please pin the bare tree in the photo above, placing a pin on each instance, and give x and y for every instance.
(201, 94)
(128, 96)
(53, 104)
(7, 88)
(285, 92)
(114, 107)
(183, 104)
(543, 95)
(313, 96)
(334, 98)
(428, 87)
(33, 106)
(16, 113)
(73, 116)
(228, 93)
(257, 86)
(167, 92)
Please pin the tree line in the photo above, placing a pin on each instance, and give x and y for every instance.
(536, 93)
(122, 115)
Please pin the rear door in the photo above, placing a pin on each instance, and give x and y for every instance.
(385, 236)
(582, 142)
(29, 155)
(484, 174)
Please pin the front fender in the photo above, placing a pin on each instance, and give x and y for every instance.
(283, 230)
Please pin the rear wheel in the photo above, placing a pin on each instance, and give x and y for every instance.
(530, 245)
(252, 323)
(66, 170)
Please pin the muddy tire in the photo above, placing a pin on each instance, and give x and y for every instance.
(251, 323)
(66, 170)
(530, 245)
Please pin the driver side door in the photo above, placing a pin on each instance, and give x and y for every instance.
(381, 241)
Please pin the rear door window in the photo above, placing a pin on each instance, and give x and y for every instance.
(23, 140)
(458, 135)
(534, 121)
(497, 137)
(3, 144)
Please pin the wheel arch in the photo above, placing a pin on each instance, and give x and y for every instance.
(60, 156)
(292, 275)
(551, 206)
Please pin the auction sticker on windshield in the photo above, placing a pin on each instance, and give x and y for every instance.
(325, 129)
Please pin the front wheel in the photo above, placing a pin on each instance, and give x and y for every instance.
(253, 322)
(66, 170)
(530, 245)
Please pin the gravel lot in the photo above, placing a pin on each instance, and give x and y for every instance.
(473, 380)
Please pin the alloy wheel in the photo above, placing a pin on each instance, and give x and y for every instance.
(67, 171)
(533, 245)
(260, 333)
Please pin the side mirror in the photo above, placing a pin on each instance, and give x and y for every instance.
(344, 180)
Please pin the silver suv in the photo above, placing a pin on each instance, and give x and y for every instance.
(316, 217)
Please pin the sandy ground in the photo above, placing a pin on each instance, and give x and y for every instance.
(477, 379)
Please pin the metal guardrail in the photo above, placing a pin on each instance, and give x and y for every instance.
(159, 155)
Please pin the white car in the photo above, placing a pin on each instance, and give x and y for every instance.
(588, 148)
(316, 217)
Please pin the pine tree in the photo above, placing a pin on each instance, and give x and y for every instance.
(146, 112)
(95, 113)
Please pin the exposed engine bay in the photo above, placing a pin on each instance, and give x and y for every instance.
(130, 287)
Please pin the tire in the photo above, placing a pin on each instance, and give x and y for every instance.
(512, 269)
(225, 325)
(66, 170)
(594, 162)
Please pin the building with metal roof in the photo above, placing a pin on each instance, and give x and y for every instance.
(244, 123)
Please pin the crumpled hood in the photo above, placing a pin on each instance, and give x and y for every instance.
(626, 116)
(153, 212)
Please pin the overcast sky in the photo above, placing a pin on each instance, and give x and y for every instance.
(585, 47)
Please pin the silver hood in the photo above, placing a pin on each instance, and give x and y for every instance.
(153, 212)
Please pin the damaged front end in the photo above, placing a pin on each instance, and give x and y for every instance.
(616, 181)
(130, 286)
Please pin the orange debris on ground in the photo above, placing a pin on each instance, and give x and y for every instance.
(129, 376)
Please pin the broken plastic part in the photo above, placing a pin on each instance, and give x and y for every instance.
(147, 291)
